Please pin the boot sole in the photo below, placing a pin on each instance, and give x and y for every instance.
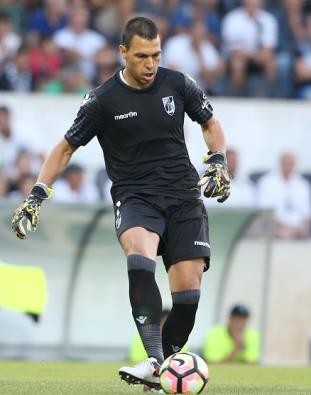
(132, 380)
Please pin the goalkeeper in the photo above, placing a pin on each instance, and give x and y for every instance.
(137, 117)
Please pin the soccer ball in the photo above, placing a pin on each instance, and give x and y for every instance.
(183, 373)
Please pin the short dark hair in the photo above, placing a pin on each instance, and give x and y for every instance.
(239, 310)
(140, 26)
(73, 168)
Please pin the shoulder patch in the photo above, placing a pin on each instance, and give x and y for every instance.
(87, 98)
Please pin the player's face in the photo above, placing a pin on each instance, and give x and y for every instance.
(142, 59)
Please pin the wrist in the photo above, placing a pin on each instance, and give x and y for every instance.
(41, 191)
(215, 157)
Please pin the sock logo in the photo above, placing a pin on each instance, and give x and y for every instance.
(175, 348)
(141, 319)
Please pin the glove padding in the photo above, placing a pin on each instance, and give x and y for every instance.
(29, 210)
(215, 179)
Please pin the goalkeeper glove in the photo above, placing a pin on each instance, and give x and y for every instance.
(215, 179)
(29, 210)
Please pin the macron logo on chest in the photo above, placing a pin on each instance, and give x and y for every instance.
(130, 114)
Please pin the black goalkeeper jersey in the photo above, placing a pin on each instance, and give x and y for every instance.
(141, 133)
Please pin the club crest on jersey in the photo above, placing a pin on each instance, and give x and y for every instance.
(169, 104)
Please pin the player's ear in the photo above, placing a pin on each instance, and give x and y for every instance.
(122, 50)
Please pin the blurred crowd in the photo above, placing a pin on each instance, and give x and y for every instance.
(247, 48)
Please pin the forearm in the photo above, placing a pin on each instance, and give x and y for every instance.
(214, 136)
(55, 163)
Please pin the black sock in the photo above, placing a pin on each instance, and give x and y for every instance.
(146, 303)
(180, 321)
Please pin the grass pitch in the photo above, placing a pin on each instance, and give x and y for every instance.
(75, 378)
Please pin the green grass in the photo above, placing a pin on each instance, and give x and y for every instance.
(60, 378)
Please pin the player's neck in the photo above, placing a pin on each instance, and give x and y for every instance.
(129, 80)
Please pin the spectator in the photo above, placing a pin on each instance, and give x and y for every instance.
(108, 16)
(74, 188)
(9, 142)
(14, 10)
(78, 43)
(25, 164)
(9, 41)
(69, 80)
(44, 62)
(249, 41)
(23, 186)
(303, 62)
(234, 342)
(107, 63)
(207, 12)
(288, 193)
(242, 190)
(202, 63)
(14, 142)
(50, 18)
(179, 13)
(16, 75)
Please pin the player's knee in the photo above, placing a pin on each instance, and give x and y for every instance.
(186, 275)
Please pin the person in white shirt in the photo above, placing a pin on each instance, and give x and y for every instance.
(194, 54)
(288, 194)
(74, 188)
(250, 36)
(14, 141)
(78, 43)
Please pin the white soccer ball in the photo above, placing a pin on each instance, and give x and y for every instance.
(184, 373)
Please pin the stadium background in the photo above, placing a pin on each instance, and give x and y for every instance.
(271, 276)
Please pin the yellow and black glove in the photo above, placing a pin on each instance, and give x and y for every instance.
(215, 179)
(29, 210)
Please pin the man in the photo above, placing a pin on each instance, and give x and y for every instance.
(233, 342)
(249, 35)
(74, 187)
(288, 194)
(137, 116)
(203, 62)
(78, 43)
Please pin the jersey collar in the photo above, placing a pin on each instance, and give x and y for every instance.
(124, 84)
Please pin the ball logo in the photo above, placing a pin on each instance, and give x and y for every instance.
(180, 362)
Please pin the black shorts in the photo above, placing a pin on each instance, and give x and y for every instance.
(181, 224)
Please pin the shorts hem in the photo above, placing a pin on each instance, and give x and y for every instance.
(138, 226)
(206, 259)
